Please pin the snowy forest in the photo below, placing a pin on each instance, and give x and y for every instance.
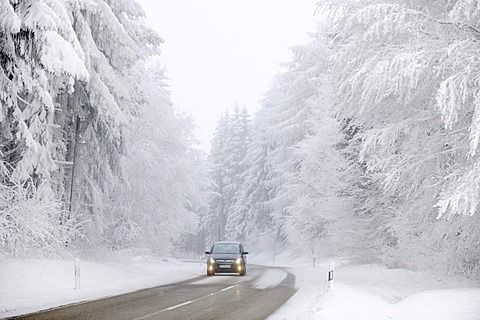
(93, 155)
(365, 145)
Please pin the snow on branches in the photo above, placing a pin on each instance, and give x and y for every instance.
(407, 75)
(67, 93)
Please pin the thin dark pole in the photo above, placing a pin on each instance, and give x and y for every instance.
(75, 142)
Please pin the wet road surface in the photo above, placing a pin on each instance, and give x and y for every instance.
(254, 296)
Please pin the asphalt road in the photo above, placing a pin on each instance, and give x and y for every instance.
(254, 296)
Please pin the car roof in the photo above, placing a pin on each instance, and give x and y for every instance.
(230, 242)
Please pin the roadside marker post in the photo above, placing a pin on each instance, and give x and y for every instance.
(77, 274)
(330, 274)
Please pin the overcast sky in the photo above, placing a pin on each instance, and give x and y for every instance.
(220, 53)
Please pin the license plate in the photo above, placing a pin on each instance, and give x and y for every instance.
(224, 266)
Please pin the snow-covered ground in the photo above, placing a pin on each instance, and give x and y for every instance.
(373, 292)
(32, 285)
(359, 292)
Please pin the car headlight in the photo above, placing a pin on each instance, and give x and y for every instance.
(211, 261)
(238, 261)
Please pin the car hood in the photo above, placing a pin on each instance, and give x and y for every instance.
(226, 256)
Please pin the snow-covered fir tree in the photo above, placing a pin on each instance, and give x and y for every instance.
(308, 198)
(224, 218)
(252, 203)
(41, 59)
(237, 151)
(109, 35)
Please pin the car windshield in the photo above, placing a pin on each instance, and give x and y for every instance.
(226, 248)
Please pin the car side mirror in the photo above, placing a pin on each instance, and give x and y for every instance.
(207, 252)
(246, 252)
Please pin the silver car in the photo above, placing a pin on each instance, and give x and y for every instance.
(227, 257)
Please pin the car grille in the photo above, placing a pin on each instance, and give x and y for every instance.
(225, 261)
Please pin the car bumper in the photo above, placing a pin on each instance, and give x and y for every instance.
(224, 268)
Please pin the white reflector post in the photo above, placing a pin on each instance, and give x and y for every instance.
(330, 273)
(77, 274)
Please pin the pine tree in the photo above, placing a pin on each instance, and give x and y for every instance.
(40, 61)
(235, 227)
(255, 193)
(214, 219)
(225, 216)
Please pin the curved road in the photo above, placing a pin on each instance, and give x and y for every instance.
(255, 296)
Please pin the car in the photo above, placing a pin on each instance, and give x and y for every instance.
(227, 257)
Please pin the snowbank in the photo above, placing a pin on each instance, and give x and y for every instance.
(344, 302)
(30, 285)
(374, 292)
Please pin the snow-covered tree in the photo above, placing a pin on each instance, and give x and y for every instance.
(214, 219)
(286, 119)
(163, 172)
(41, 59)
(70, 88)
(306, 179)
(225, 216)
(110, 35)
(237, 166)
(406, 75)
(252, 203)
